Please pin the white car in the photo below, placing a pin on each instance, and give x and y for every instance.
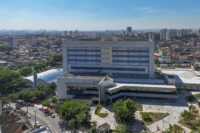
(38, 124)
(53, 115)
(28, 115)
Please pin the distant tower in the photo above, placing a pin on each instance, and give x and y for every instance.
(198, 32)
(129, 30)
(65, 33)
(13, 43)
(35, 82)
(164, 34)
(32, 41)
(151, 36)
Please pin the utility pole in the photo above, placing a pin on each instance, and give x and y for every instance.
(99, 94)
(35, 118)
(27, 109)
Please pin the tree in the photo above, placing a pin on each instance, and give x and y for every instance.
(81, 118)
(54, 100)
(57, 58)
(25, 71)
(93, 128)
(121, 128)
(29, 94)
(124, 110)
(52, 88)
(13, 97)
(71, 124)
(46, 102)
(74, 110)
(10, 81)
(42, 88)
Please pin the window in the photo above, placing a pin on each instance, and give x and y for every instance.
(107, 68)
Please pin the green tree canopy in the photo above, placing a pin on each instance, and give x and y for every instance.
(25, 71)
(124, 110)
(74, 110)
(10, 81)
(30, 95)
(57, 58)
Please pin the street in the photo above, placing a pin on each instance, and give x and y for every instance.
(45, 120)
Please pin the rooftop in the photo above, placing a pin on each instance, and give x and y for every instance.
(187, 76)
(85, 75)
(48, 76)
(142, 87)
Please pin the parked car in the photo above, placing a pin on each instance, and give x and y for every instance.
(45, 110)
(30, 104)
(53, 115)
(38, 124)
(28, 116)
(41, 109)
(61, 122)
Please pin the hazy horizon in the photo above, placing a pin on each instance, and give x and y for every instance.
(95, 15)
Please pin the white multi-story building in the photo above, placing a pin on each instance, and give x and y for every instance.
(109, 69)
(164, 34)
(120, 57)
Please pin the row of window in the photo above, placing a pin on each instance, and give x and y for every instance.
(83, 50)
(132, 61)
(130, 64)
(128, 56)
(85, 60)
(97, 60)
(85, 55)
(108, 68)
(140, 51)
(92, 55)
(130, 48)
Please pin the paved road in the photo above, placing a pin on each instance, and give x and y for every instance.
(52, 123)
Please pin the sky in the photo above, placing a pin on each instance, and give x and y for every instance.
(98, 14)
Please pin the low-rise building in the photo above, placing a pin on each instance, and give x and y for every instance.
(186, 79)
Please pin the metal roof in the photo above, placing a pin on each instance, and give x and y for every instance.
(48, 76)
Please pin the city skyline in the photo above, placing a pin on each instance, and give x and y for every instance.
(98, 14)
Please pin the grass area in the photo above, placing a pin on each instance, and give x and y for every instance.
(99, 113)
(193, 98)
(138, 106)
(150, 117)
(191, 118)
(174, 129)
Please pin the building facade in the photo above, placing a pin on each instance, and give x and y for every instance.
(107, 70)
(164, 34)
(130, 58)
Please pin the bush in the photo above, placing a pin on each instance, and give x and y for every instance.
(187, 115)
(121, 128)
(93, 128)
(98, 112)
(146, 117)
(151, 117)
